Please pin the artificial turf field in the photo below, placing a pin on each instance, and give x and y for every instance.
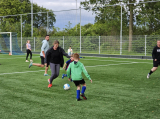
(120, 90)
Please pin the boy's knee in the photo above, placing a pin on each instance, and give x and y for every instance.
(84, 84)
(78, 87)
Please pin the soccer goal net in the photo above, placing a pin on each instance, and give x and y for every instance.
(9, 43)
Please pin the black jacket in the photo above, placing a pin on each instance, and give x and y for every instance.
(61, 51)
(156, 53)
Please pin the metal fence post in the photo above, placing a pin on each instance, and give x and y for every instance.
(34, 44)
(145, 44)
(99, 44)
(121, 33)
(21, 32)
(11, 43)
(63, 42)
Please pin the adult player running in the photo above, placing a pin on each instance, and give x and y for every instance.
(55, 56)
(156, 58)
(44, 48)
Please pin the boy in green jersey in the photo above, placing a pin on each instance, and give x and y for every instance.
(76, 69)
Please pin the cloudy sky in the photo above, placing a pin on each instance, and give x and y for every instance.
(63, 17)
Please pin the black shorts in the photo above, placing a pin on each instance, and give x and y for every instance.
(79, 82)
(43, 61)
(156, 63)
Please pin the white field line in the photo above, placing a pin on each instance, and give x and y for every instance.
(110, 64)
(118, 61)
(62, 69)
(82, 59)
(18, 57)
(85, 59)
(106, 60)
(119, 58)
(21, 72)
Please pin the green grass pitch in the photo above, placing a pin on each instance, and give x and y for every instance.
(120, 90)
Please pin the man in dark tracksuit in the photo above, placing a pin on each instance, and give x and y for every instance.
(156, 58)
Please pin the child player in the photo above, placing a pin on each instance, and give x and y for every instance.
(66, 66)
(76, 69)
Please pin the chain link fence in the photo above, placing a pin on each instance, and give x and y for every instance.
(141, 45)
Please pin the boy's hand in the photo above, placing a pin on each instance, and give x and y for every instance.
(63, 67)
(91, 80)
(69, 79)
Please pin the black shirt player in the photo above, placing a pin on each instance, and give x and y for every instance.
(156, 58)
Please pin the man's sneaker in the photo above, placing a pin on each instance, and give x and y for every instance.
(50, 85)
(148, 76)
(27, 61)
(48, 80)
(84, 97)
(46, 75)
(31, 60)
(30, 64)
(79, 99)
(63, 75)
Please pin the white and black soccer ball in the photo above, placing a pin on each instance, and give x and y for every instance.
(66, 86)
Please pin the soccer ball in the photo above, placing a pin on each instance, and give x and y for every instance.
(66, 86)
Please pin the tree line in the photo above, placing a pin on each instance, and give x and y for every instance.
(137, 19)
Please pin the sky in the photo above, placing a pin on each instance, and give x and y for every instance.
(63, 17)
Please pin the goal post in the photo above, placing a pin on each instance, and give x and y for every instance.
(9, 43)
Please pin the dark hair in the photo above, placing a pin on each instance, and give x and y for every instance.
(56, 42)
(69, 46)
(46, 35)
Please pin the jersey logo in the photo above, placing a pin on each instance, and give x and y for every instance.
(158, 50)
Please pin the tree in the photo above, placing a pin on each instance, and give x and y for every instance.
(130, 24)
(107, 13)
(13, 7)
(10, 7)
(149, 17)
(107, 17)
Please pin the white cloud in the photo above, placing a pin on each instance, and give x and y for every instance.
(57, 5)
(63, 17)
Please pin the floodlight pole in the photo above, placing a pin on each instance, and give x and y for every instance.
(76, 15)
(32, 18)
(47, 24)
(80, 29)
